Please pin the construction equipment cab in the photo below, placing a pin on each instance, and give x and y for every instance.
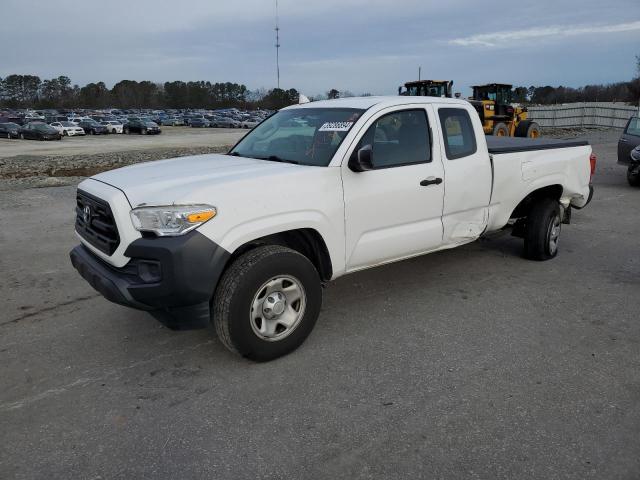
(427, 88)
(499, 117)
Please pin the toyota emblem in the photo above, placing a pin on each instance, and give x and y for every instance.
(86, 214)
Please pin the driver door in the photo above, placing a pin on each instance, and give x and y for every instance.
(394, 211)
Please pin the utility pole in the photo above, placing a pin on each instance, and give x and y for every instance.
(419, 72)
(277, 47)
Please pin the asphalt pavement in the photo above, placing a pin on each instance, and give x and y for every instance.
(472, 363)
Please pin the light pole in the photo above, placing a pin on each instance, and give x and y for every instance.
(277, 47)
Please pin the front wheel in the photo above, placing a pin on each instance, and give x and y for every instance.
(542, 232)
(633, 175)
(267, 302)
(501, 130)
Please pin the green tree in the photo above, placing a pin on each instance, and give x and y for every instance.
(21, 90)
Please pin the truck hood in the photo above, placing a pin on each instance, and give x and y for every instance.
(191, 179)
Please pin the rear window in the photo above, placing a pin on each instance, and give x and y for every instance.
(457, 130)
(634, 127)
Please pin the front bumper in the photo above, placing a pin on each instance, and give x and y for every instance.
(171, 277)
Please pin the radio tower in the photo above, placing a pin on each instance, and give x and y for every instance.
(277, 47)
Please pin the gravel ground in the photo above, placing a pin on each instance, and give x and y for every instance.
(25, 164)
(469, 363)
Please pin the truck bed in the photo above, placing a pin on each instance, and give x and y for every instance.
(498, 145)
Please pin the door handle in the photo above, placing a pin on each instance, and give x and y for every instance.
(430, 181)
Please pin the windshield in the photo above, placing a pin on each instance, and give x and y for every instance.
(308, 136)
(44, 128)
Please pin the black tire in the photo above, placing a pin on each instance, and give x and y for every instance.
(125, 131)
(64, 132)
(542, 231)
(241, 284)
(500, 130)
(528, 129)
(91, 132)
(22, 136)
(143, 131)
(8, 135)
(633, 175)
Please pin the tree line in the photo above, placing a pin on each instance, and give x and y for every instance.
(29, 91)
(614, 92)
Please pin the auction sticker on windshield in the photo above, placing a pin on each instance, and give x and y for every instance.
(335, 127)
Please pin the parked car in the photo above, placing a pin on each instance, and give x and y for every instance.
(249, 123)
(68, 128)
(172, 121)
(141, 126)
(369, 181)
(91, 127)
(9, 130)
(199, 122)
(113, 126)
(226, 122)
(628, 153)
(39, 131)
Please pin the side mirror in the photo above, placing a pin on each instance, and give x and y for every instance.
(362, 160)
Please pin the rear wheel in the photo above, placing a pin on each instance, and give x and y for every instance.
(64, 132)
(143, 131)
(267, 302)
(633, 175)
(542, 231)
(501, 130)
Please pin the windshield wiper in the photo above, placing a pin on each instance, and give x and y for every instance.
(275, 158)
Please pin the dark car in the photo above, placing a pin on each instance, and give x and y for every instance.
(142, 126)
(91, 127)
(201, 122)
(629, 140)
(39, 131)
(629, 150)
(9, 130)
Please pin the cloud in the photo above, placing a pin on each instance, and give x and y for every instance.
(501, 39)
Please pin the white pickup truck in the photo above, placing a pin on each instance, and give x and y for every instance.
(247, 239)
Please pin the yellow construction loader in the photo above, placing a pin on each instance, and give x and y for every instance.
(499, 117)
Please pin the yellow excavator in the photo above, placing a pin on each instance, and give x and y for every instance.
(493, 103)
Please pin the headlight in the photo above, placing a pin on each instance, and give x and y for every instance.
(171, 220)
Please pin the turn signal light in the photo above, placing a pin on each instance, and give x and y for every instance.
(201, 216)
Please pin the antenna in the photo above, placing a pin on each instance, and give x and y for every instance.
(419, 72)
(277, 46)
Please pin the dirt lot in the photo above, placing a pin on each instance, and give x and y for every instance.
(469, 363)
(171, 137)
(29, 163)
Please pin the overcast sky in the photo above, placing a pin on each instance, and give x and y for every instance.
(358, 45)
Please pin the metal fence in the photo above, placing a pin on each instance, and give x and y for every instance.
(587, 114)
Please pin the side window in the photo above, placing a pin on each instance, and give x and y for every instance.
(634, 127)
(399, 138)
(459, 137)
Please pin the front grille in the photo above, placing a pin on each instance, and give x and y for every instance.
(95, 222)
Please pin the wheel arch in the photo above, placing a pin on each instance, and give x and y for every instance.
(306, 241)
(524, 206)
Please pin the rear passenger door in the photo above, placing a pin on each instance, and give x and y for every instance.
(468, 174)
